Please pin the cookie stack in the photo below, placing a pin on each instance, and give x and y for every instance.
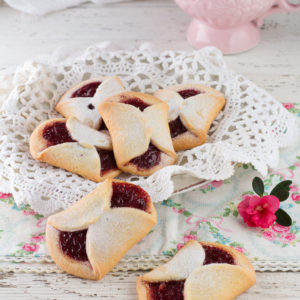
(107, 130)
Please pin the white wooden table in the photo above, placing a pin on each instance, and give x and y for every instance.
(274, 65)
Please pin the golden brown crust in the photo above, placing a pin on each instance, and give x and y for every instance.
(132, 130)
(205, 282)
(122, 97)
(196, 112)
(111, 231)
(77, 268)
(79, 158)
(188, 140)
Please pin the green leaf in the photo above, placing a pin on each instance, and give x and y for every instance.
(226, 212)
(187, 213)
(283, 185)
(235, 213)
(258, 186)
(283, 218)
(282, 195)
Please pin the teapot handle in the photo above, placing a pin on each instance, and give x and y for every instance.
(279, 6)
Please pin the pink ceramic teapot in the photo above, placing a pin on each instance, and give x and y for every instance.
(230, 25)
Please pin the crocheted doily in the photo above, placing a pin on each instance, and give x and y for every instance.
(250, 129)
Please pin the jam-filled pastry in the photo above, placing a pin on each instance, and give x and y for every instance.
(138, 125)
(73, 146)
(199, 271)
(192, 109)
(81, 100)
(89, 238)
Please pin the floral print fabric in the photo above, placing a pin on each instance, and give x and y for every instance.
(208, 213)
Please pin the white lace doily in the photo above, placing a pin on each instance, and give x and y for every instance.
(251, 128)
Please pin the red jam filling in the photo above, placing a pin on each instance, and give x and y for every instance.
(57, 133)
(176, 127)
(189, 93)
(149, 159)
(215, 255)
(140, 104)
(103, 126)
(73, 244)
(87, 90)
(173, 290)
(107, 159)
(128, 195)
(168, 290)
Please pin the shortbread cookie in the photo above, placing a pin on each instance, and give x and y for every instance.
(71, 145)
(199, 271)
(81, 100)
(192, 109)
(89, 238)
(140, 134)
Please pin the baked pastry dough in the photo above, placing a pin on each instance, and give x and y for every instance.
(199, 271)
(192, 109)
(140, 134)
(71, 145)
(81, 100)
(89, 238)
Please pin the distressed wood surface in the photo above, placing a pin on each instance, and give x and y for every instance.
(121, 286)
(274, 65)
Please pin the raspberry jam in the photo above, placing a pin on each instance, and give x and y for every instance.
(87, 90)
(103, 126)
(173, 290)
(140, 104)
(107, 159)
(128, 195)
(176, 127)
(73, 244)
(149, 159)
(57, 133)
(215, 255)
(189, 93)
(168, 290)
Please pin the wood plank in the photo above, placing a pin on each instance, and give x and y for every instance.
(121, 286)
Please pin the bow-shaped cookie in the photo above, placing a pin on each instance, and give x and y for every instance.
(199, 271)
(71, 145)
(89, 238)
(192, 109)
(81, 101)
(138, 125)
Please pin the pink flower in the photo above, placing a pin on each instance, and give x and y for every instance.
(189, 237)
(28, 212)
(179, 246)
(30, 248)
(258, 212)
(294, 188)
(288, 105)
(37, 238)
(296, 197)
(217, 183)
(4, 196)
(179, 211)
(269, 235)
(289, 237)
(240, 249)
(280, 229)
